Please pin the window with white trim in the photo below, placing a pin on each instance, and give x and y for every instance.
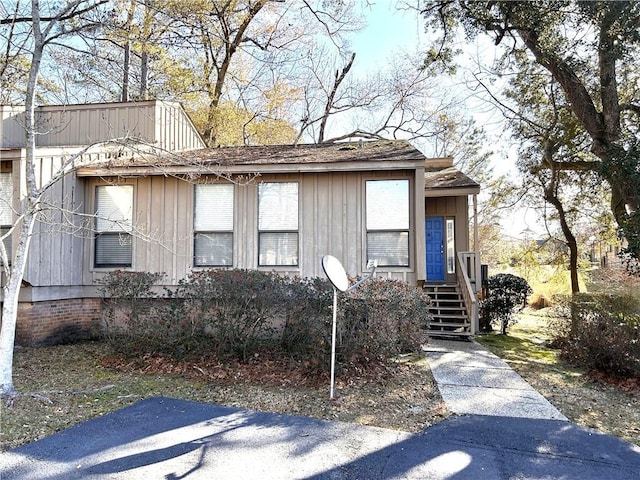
(451, 246)
(6, 209)
(387, 222)
(213, 225)
(114, 226)
(278, 224)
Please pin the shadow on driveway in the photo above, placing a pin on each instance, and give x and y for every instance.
(162, 438)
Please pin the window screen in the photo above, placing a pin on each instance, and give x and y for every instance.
(114, 225)
(213, 225)
(278, 223)
(387, 222)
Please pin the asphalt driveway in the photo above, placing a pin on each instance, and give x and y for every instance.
(163, 438)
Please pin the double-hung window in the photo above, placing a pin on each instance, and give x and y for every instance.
(213, 225)
(6, 209)
(387, 222)
(278, 224)
(114, 225)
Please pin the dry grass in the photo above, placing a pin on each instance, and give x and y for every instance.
(608, 407)
(83, 381)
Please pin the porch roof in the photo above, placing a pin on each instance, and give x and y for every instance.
(448, 181)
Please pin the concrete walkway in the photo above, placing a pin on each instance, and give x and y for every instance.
(474, 381)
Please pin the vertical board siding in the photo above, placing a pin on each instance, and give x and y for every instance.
(86, 124)
(331, 222)
(77, 202)
(11, 127)
(457, 207)
(162, 124)
(56, 245)
(245, 238)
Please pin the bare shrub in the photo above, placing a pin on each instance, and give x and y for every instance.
(239, 313)
(601, 332)
(129, 318)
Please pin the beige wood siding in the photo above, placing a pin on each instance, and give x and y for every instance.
(330, 222)
(174, 130)
(458, 209)
(57, 244)
(87, 124)
(164, 125)
(11, 131)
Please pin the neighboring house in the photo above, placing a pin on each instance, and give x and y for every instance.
(165, 204)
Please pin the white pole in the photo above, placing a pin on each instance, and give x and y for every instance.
(333, 341)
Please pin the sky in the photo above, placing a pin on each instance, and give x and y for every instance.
(389, 32)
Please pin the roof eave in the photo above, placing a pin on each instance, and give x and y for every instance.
(213, 169)
(451, 191)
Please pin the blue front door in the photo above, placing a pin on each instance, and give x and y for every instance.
(434, 237)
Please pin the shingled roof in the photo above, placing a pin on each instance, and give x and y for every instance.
(382, 150)
(440, 174)
(386, 154)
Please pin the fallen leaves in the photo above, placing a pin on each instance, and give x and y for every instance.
(87, 380)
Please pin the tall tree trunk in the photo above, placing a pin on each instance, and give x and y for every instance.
(125, 72)
(221, 67)
(147, 24)
(11, 292)
(126, 68)
(28, 205)
(603, 128)
(570, 238)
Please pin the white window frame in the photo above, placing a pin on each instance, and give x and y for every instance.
(383, 219)
(278, 218)
(114, 220)
(217, 225)
(6, 209)
(450, 239)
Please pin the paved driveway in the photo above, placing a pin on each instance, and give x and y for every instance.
(163, 438)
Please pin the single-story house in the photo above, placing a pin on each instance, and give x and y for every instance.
(161, 202)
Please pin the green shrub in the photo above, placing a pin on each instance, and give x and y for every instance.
(506, 294)
(235, 311)
(307, 330)
(379, 319)
(602, 333)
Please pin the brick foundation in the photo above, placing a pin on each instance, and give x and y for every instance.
(57, 321)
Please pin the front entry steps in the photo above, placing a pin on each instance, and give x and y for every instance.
(448, 310)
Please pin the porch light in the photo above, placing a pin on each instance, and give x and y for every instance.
(336, 274)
